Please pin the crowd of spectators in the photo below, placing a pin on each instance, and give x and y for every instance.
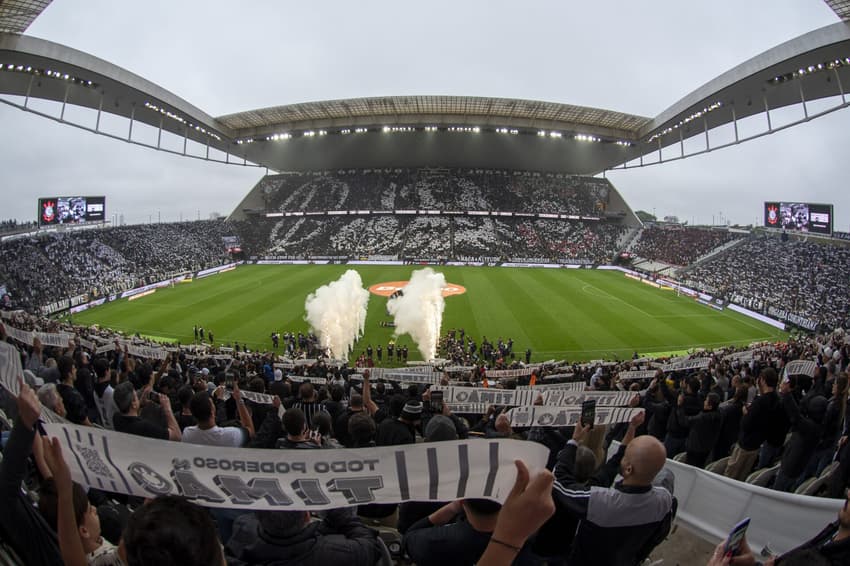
(436, 189)
(40, 269)
(679, 245)
(808, 278)
(14, 226)
(444, 237)
(737, 407)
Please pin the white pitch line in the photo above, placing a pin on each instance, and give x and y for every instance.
(610, 296)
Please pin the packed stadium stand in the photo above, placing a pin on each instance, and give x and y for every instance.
(695, 416)
(678, 245)
(435, 213)
(809, 277)
(435, 189)
(40, 269)
(13, 226)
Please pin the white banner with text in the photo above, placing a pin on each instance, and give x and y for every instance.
(307, 480)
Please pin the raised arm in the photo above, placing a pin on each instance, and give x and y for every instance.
(174, 432)
(370, 405)
(244, 413)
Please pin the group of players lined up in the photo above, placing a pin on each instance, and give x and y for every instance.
(372, 356)
(461, 349)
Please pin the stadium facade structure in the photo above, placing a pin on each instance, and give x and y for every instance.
(427, 131)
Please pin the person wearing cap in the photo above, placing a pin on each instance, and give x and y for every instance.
(400, 430)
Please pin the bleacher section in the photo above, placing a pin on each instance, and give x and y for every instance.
(766, 274)
(679, 245)
(435, 189)
(426, 213)
(57, 265)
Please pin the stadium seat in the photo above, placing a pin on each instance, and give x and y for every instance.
(718, 466)
(681, 457)
(805, 487)
(763, 477)
(829, 470)
(816, 486)
(386, 557)
(5, 421)
(391, 539)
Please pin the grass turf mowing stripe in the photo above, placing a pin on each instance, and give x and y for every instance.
(558, 313)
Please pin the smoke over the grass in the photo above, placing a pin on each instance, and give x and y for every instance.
(419, 311)
(336, 313)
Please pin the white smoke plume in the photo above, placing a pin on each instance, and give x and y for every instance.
(336, 313)
(419, 311)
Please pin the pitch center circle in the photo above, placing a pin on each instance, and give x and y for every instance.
(387, 288)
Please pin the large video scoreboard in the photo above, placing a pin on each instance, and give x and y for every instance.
(799, 217)
(71, 210)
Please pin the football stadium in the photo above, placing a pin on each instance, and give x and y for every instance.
(433, 329)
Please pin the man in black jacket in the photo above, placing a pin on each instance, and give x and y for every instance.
(703, 429)
(355, 405)
(298, 436)
(806, 433)
(634, 513)
(657, 408)
(401, 430)
(677, 431)
(758, 418)
(457, 533)
(288, 537)
(577, 467)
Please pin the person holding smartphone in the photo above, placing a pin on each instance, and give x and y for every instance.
(637, 512)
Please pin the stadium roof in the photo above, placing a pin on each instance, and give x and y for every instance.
(17, 15)
(427, 109)
(840, 7)
(442, 131)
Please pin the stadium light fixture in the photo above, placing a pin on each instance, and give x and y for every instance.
(323, 132)
(309, 133)
(13, 67)
(181, 120)
(586, 137)
(809, 69)
(698, 114)
(555, 134)
(345, 131)
(541, 133)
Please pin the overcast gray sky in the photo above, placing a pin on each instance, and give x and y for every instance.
(223, 57)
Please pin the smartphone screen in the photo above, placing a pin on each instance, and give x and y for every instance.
(436, 402)
(588, 412)
(733, 541)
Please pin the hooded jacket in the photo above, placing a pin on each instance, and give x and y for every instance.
(341, 538)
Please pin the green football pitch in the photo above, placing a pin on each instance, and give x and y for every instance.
(558, 313)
